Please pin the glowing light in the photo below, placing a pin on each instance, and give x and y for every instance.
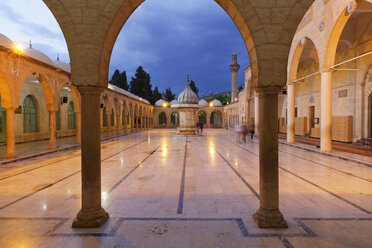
(44, 207)
(211, 105)
(211, 150)
(164, 154)
(18, 47)
(236, 163)
(104, 195)
(164, 104)
(236, 99)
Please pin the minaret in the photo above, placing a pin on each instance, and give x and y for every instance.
(234, 68)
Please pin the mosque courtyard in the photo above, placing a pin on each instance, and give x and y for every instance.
(165, 190)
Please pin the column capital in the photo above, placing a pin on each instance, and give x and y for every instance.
(273, 90)
(234, 67)
(90, 90)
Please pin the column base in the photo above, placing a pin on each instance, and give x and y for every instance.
(52, 147)
(91, 219)
(269, 219)
(10, 156)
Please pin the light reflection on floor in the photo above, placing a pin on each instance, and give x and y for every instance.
(159, 196)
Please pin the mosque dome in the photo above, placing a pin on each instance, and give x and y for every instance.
(62, 65)
(36, 54)
(216, 103)
(6, 42)
(173, 102)
(203, 103)
(159, 103)
(187, 96)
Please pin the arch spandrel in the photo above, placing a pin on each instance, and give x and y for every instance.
(267, 27)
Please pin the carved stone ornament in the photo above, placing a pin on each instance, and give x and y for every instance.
(321, 26)
(350, 7)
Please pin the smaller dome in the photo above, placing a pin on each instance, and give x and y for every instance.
(216, 103)
(6, 42)
(203, 103)
(62, 65)
(36, 54)
(187, 96)
(173, 102)
(159, 103)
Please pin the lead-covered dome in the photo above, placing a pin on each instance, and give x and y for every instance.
(36, 54)
(159, 103)
(203, 103)
(62, 65)
(187, 96)
(6, 42)
(173, 102)
(216, 103)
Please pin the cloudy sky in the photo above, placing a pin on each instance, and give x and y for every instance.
(169, 38)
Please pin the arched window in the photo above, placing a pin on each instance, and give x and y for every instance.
(71, 116)
(162, 118)
(29, 115)
(112, 118)
(214, 118)
(175, 119)
(104, 117)
(58, 119)
(203, 117)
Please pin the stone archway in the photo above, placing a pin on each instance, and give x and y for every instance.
(90, 46)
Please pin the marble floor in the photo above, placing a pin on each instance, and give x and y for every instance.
(164, 190)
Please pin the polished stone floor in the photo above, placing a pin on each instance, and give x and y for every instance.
(164, 190)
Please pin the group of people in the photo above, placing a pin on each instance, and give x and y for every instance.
(199, 127)
(242, 131)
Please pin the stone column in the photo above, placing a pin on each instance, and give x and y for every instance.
(118, 124)
(268, 215)
(108, 122)
(91, 214)
(78, 127)
(10, 134)
(326, 112)
(52, 130)
(256, 116)
(234, 68)
(291, 114)
(125, 120)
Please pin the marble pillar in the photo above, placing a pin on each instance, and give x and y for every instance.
(10, 134)
(326, 112)
(291, 114)
(256, 116)
(108, 122)
(268, 215)
(91, 213)
(78, 127)
(52, 130)
(118, 124)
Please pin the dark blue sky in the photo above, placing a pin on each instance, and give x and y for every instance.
(169, 38)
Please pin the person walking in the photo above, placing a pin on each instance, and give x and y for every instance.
(251, 130)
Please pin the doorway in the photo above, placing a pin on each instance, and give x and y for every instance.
(311, 117)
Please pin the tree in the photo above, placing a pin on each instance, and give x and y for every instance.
(194, 88)
(119, 79)
(156, 95)
(168, 95)
(140, 84)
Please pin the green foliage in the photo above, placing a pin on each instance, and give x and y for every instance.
(168, 95)
(224, 99)
(119, 79)
(140, 84)
(194, 88)
(156, 95)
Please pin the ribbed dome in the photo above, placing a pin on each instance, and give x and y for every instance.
(36, 54)
(6, 42)
(62, 65)
(159, 103)
(216, 103)
(187, 96)
(203, 103)
(173, 102)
